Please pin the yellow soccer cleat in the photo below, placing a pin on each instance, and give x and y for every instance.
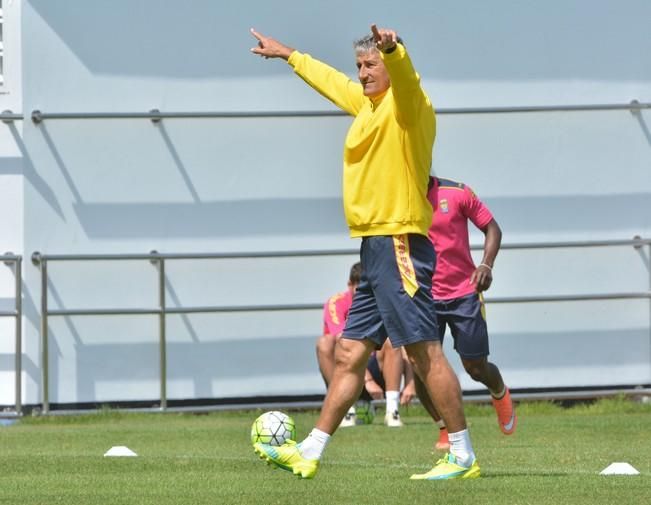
(288, 457)
(447, 468)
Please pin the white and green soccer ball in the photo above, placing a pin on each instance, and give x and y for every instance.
(273, 428)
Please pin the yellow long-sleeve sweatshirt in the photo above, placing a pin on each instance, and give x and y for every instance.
(388, 148)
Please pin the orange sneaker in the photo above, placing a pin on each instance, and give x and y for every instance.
(443, 443)
(506, 417)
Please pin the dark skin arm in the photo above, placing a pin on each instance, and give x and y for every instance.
(482, 277)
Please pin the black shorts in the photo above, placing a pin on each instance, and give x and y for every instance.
(394, 296)
(467, 321)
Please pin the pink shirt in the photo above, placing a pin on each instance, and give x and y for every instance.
(454, 204)
(335, 312)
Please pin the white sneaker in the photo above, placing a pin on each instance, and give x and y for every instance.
(350, 419)
(392, 419)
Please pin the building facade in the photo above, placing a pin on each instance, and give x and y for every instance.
(250, 162)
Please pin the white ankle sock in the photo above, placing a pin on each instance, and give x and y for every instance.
(314, 445)
(441, 424)
(461, 447)
(393, 401)
(351, 410)
(498, 396)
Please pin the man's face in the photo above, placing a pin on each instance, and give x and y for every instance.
(372, 74)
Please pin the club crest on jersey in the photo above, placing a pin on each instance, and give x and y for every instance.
(443, 206)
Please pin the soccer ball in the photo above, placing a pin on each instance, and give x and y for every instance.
(273, 428)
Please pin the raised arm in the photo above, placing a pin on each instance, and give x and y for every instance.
(270, 48)
(329, 82)
(409, 97)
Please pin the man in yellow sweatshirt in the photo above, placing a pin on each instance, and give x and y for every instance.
(387, 157)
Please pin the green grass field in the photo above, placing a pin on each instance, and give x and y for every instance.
(554, 458)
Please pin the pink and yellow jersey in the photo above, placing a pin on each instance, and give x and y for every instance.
(335, 313)
(454, 204)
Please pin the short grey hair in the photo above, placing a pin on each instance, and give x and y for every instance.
(367, 44)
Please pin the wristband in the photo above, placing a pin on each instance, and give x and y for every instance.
(485, 265)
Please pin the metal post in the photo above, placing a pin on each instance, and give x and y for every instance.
(162, 344)
(45, 381)
(19, 334)
(639, 246)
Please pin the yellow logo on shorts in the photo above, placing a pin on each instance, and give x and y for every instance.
(405, 265)
(443, 206)
(483, 306)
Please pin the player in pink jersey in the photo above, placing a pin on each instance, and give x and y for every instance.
(384, 371)
(456, 288)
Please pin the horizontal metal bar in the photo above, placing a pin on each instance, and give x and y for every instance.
(155, 115)
(244, 308)
(183, 310)
(632, 106)
(7, 116)
(102, 312)
(8, 313)
(569, 298)
(635, 242)
(10, 258)
(259, 254)
(38, 257)
(319, 306)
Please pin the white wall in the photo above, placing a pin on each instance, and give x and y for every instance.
(11, 190)
(117, 186)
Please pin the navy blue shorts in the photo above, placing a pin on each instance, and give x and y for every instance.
(467, 321)
(394, 296)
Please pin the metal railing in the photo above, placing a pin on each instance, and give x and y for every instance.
(162, 310)
(155, 115)
(158, 259)
(15, 261)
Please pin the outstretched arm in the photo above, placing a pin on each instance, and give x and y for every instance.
(332, 84)
(270, 48)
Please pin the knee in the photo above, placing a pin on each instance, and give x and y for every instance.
(343, 357)
(325, 345)
(424, 356)
(351, 355)
(476, 368)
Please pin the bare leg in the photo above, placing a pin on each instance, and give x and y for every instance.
(481, 370)
(431, 365)
(425, 400)
(351, 357)
(391, 366)
(325, 355)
